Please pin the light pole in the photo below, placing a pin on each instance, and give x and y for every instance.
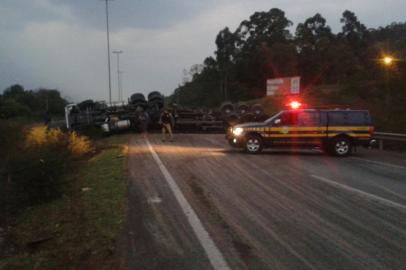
(108, 46)
(117, 53)
(121, 85)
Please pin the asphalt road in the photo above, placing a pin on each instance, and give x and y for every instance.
(276, 210)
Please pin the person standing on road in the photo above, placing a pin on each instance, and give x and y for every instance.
(167, 123)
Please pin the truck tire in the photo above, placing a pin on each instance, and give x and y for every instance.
(227, 108)
(155, 95)
(156, 99)
(138, 100)
(257, 109)
(253, 144)
(242, 109)
(137, 97)
(340, 146)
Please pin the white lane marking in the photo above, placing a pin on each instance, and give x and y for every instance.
(213, 253)
(380, 163)
(359, 192)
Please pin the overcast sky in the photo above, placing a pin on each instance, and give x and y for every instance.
(62, 43)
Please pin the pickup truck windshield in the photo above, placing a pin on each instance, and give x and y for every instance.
(272, 119)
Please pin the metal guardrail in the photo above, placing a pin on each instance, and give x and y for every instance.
(383, 136)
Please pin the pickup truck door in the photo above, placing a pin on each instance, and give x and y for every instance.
(298, 128)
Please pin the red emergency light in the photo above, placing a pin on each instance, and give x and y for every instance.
(295, 104)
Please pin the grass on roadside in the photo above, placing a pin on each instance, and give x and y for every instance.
(81, 229)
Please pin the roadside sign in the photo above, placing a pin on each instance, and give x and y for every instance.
(283, 86)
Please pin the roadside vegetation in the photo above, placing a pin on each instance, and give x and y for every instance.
(62, 199)
(19, 103)
(343, 69)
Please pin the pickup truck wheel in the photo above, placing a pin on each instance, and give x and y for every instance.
(253, 144)
(340, 146)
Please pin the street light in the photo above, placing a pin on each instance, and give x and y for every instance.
(120, 94)
(387, 60)
(108, 46)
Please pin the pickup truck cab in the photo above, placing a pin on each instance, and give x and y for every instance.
(335, 131)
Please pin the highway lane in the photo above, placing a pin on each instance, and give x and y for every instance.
(276, 210)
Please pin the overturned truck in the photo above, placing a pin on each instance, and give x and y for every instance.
(131, 114)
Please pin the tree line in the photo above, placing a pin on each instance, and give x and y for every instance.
(18, 102)
(337, 68)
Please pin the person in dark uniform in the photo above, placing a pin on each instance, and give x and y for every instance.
(167, 124)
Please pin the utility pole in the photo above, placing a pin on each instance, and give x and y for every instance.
(119, 89)
(121, 85)
(108, 47)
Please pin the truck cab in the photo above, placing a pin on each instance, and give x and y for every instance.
(335, 131)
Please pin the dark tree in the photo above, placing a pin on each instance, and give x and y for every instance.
(314, 41)
(354, 32)
(313, 34)
(15, 91)
(263, 27)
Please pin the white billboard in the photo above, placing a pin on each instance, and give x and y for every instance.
(283, 86)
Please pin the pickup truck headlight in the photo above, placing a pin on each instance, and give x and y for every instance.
(237, 131)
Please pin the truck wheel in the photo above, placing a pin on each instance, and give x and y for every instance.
(340, 146)
(253, 144)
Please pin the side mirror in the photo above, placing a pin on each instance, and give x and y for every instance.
(277, 122)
